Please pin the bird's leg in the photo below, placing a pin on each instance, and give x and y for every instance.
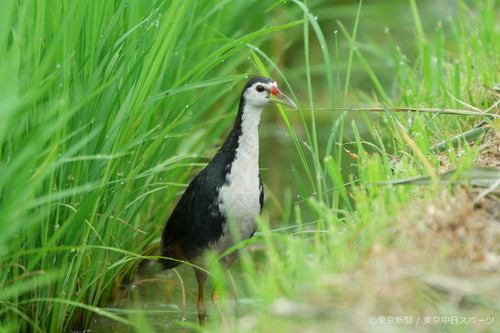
(201, 277)
(215, 297)
(217, 304)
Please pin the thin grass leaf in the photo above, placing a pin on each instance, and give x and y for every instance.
(475, 176)
(469, 136)
(196, 85)
(445, 111)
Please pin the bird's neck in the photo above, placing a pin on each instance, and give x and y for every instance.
(243, 141)
(247, 129)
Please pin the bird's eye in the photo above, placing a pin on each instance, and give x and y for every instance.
(260, 88)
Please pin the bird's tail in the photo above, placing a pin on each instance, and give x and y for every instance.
(173, 256)
(168, 263)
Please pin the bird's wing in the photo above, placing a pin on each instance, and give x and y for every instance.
(196, 221)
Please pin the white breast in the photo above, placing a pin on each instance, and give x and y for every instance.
(239, 198)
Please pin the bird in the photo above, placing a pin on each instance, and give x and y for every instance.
(220, 205)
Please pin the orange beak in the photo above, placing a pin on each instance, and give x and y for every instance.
(278, 97)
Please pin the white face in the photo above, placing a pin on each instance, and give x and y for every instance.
(258, 94)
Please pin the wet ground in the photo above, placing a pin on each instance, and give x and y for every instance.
(157, 299)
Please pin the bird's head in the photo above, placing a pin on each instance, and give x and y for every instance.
(260, 91)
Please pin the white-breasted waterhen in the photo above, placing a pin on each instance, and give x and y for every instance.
(224, 199)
